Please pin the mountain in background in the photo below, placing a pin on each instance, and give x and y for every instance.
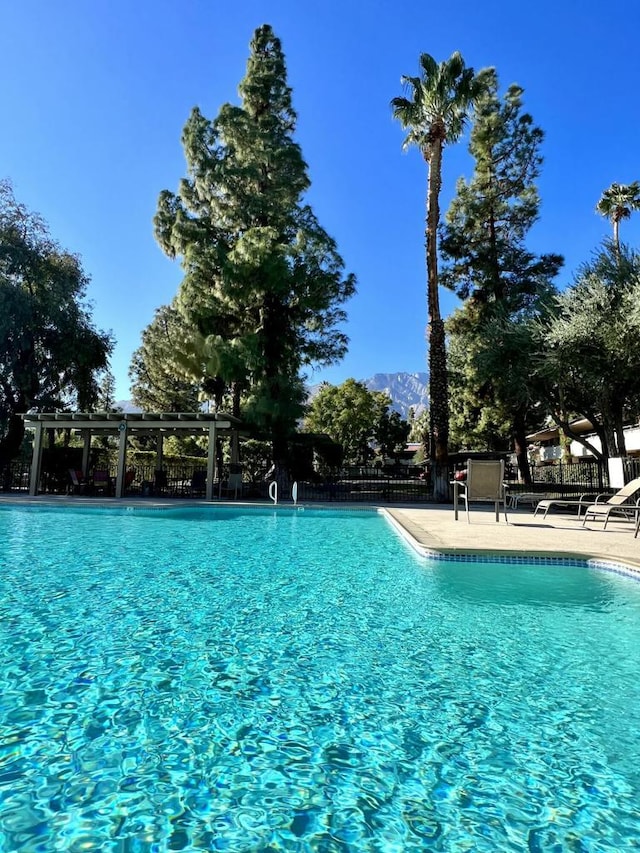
(407, 390)
(127, 406)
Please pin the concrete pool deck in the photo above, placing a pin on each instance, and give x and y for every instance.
(558, 535)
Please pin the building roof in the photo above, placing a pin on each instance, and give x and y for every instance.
(579, 426)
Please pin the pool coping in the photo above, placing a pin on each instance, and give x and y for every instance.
(416, 537)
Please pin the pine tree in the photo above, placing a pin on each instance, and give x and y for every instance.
(489, 265)
(106, 392)
(263, 281)
(159, 383)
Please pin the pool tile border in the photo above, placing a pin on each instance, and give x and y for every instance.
(579, 561)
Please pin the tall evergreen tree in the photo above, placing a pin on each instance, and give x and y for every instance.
(441, 99)
(159, 382)
(488, 262)
(477, 418)
(106, 392)
(264, 283)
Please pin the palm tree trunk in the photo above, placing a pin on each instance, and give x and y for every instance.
(438, 382)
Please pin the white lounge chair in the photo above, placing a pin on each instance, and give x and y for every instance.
(621, 502)
(485, 482)
(582, 502)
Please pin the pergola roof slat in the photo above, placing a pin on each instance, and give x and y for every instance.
(153, 420)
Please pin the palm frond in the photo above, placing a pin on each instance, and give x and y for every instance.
(429, 66)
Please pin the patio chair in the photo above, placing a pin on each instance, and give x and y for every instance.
(234, 482)
(621, 502)
(160, 482)
(485, 482)
(101, 481)
(78, 483)
(198, 482)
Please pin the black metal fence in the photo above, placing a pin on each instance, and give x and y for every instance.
(380, 489)
(183, 479)
(565, 479)
(14, 477)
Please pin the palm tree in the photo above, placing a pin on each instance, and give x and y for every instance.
(435, 115)
(617, 203)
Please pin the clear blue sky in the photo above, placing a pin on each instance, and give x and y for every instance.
(95, 94)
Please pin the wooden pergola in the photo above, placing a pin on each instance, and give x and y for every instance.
(124, 425)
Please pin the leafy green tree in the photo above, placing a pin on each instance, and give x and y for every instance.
(264, 283)
(391, 434)
(159, 383)
(350, 414)
(50, 351)
(618, 202)
(256, 457)
(490, 266)
(435, 114)
(589, 347)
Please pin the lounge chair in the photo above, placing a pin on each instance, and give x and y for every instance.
(621, 502)
(485, 482)
(582, 502)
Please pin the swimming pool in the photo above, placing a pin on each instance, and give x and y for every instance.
(282, 680)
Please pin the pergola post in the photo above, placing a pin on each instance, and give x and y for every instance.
(159, 450)
(122, 458)
(86, 436)
(211, 461)
(235, 441)
(36, 459)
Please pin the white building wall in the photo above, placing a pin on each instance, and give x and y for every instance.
(631, 437)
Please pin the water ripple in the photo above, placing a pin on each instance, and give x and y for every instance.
(278, 682)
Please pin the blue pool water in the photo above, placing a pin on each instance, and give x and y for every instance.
(208, 679)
